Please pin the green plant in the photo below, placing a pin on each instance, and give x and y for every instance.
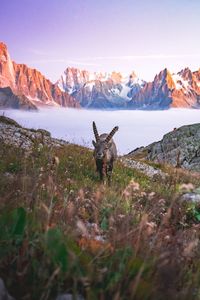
(193, 212)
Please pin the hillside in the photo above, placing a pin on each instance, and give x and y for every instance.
(179, 148)
(62, 232)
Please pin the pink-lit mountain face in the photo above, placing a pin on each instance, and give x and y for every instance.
(23, 87)
(169, 90)
(103, 90)
(28, 85)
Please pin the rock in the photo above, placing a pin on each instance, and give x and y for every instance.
(12, 134)
(146, 169)
(180, 148)
(23, 87)
(4, 295)
(44, 132)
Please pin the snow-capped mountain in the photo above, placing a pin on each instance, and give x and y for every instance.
(23, 87)
(169, 90)
(30, 87)
(100, 90)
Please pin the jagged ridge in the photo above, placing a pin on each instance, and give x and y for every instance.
(100, 90)
(30, 83)
(169, 90)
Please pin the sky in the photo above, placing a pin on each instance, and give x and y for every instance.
(106, 35)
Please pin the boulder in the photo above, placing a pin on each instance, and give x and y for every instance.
(180, 148)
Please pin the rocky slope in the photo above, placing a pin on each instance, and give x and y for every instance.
(180, 148)
(169, 90)
(30, 83)
(11, 133)
(100, 90)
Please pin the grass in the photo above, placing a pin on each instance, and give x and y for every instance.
(61, 230)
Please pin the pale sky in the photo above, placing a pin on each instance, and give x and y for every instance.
(144, 36)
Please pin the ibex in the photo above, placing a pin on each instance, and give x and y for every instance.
(105, 152)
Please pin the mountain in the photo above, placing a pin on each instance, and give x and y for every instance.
(187, 92)
(30, 84)
(9, 100)
(29, 89)
(169, 90)
(100, 90)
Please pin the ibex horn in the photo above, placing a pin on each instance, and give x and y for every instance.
(95, 131)
(109, 137)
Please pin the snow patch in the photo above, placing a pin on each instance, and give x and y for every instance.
(124, 92)
(90, 85)
(180, 83)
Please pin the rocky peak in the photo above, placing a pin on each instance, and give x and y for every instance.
(7, 75)
(116, 77)
(100, 89)
(29, 84)
(197, 73)
(72, 79)
(186, 74)
(196, 76)
(164, 78)
(133, 76)
(3, 51)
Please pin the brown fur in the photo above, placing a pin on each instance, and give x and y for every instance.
(105, 153)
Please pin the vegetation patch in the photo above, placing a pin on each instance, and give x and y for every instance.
(61, 230)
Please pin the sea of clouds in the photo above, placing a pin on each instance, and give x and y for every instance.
(136, 128)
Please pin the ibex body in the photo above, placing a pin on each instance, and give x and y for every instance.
(105, 153)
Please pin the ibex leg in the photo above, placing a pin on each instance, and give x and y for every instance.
(109, 172)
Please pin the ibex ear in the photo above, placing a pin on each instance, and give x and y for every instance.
(94, 143)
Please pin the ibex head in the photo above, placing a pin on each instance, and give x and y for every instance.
(102, 143)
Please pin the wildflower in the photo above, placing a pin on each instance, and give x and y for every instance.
(162, 202)
(134, 185)
(190, 247)
(186, 187)
(120, 216)
(151, 195)
(150, 227)
(56, 160)
(43, 186)
(82, 228)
